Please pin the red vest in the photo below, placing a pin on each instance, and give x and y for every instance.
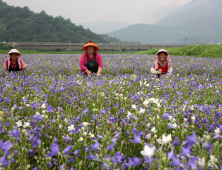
(164, 69)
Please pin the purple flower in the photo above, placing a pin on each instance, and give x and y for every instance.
(191, 139)
(54, 150)
(25, 100)
(102, 112)
(170, 155)
(186, 151)
(176, 162)
(15, 133)
(170, 126)
(165, 116)
(49, 164)
(5, 146)
(67, 149)
(193, 162)
(90, 157)
(36, 168)
(50, 109)
(176, 141)
(116, 105)
(67, 138)
(110, 147)
(8, 99)
(4, 161)
(136, 139)
(95, 146)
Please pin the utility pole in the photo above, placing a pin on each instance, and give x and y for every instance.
(69, 46)
(185, 40)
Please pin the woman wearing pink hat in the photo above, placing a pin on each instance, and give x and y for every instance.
(14, 61)
(91, 61)
(162, 64)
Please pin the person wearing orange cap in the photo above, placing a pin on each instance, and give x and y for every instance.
(14, 61)
(91, 61)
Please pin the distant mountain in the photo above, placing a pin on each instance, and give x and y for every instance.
(103, 27)
(194, 9)
(202, 30)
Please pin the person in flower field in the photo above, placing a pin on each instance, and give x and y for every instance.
(14, 61)
(91, 62)
(162, 64)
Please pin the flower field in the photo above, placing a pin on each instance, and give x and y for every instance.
(51, 117)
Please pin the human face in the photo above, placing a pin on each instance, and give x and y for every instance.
(162, 56)
(90, 49)
(14, 56)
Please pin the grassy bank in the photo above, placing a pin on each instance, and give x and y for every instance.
(195, 50)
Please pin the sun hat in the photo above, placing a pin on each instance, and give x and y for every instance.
(14, 51)
(157, 58)
(90, 44)
(18, 57)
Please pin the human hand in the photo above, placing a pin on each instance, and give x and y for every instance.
(88, 72)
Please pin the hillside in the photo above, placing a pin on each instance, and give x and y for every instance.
(203, 30)
(192, 10)
(103, 27)
(22, 25)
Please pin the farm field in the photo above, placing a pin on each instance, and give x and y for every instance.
(53, 118)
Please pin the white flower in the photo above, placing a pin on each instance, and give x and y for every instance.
(148, 136)
(43, 111)
(145, 103)
(174, 125)
(151, 99)
(129, 114)
(81, 139)
(26, 124)
(84, 133)
(158, 117)
(213, 160)
(85, 124)
(37, 113)
(142, 111)
(217, 130)
(153, 130)
(148, 151)
(191, 107)
(193, 118)
(166, 139)
(19, 123)
(71, 127)
(43, 106)
(92, 135)
(134, 106)
(148, 125)
(170, 117)
(159, 141)
(201, 161)
(60, 126)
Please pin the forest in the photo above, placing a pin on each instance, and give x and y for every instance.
(23, 25)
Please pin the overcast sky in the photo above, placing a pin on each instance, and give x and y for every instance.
(82, 11)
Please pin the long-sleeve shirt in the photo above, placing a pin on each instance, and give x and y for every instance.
(83, 61)
(153, 70)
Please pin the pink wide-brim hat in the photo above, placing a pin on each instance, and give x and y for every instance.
(14, 51)
(157, 58)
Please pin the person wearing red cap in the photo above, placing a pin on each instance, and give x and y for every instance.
(90, 61)
(14, 61)
(162, 64)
